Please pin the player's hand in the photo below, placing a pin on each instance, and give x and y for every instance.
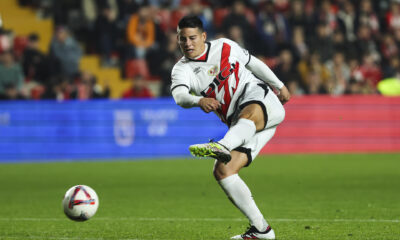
(209, 104)
(284, 95)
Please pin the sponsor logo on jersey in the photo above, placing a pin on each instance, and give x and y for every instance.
(197, 70)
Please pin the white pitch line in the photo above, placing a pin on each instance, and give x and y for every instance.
(73, 238)
(212, 219)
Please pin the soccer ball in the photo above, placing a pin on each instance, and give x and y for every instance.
(80, 203)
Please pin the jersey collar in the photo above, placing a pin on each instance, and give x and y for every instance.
(204, 57)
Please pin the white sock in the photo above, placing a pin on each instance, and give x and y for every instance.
(238, 134)
(240, 195)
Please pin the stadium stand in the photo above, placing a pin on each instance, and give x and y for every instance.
(308, 32)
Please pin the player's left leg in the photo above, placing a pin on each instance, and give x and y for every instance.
(259, 228)
(239, 193)
(237, 190)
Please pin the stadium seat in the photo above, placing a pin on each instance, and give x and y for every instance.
(185, 2)
(271, 62)
(219, 15)
(164, 16)
(251, 17)
(176, 15)
(37, 92)
(135, 67)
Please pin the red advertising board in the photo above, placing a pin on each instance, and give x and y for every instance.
(329, 124)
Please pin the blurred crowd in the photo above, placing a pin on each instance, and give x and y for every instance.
(315, 47)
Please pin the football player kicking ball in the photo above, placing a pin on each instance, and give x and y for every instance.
(227, 80)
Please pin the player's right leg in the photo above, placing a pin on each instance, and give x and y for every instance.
(211, 149)
(250, 120)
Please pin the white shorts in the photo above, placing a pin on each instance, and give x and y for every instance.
(274, 113)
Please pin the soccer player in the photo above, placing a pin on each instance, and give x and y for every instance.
(219, 76)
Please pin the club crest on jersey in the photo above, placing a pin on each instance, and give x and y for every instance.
(213, 71)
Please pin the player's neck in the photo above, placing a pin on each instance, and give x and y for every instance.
(204, 52)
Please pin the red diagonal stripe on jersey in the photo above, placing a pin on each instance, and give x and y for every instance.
(224, 65)
(227, 95)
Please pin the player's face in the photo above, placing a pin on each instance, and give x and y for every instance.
(191, 41)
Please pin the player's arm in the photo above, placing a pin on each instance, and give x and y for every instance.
(184, 99)
(262, 71)
(181, 92)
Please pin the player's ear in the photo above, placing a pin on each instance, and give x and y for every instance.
(204, 36)
(178, 31)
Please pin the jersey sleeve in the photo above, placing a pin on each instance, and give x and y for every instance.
(240, 53)
(180, 88)
(179, 78)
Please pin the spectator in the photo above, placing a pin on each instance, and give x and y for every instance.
(346, 19)
(5, 38)
(282, 6)
(393, 16)
(167, 57)
(354, 87)
(367, 17)
(11, 77)
(323, 42)
(396, 36)
(205, 14)
(169, 4)
(141, 32)
(273, 29)
(66, 50)
(301, 50)
(355, 28)
(60, 89)
(369, 72)
(389, 48)
(298, 18)
(235, 33)
(91, 11)
(107, 35)
(314, 74)
(392, 69)
(34, 62)
(138, 89)
(237, 17)
(340, 74)
(126, 8)
(287, 72)
(339, 42)
(87, 88)
(327, 16)
(365, 43)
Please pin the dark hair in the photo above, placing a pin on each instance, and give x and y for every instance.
(33, 37)
(191, 21)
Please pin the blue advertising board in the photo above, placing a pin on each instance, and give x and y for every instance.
(106, 129)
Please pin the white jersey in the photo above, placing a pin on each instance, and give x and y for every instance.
(220, 73)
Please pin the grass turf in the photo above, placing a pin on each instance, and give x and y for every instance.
(354, 196)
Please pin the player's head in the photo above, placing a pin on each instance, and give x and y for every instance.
(191, 36)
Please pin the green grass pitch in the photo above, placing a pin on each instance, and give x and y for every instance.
(349, 196)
